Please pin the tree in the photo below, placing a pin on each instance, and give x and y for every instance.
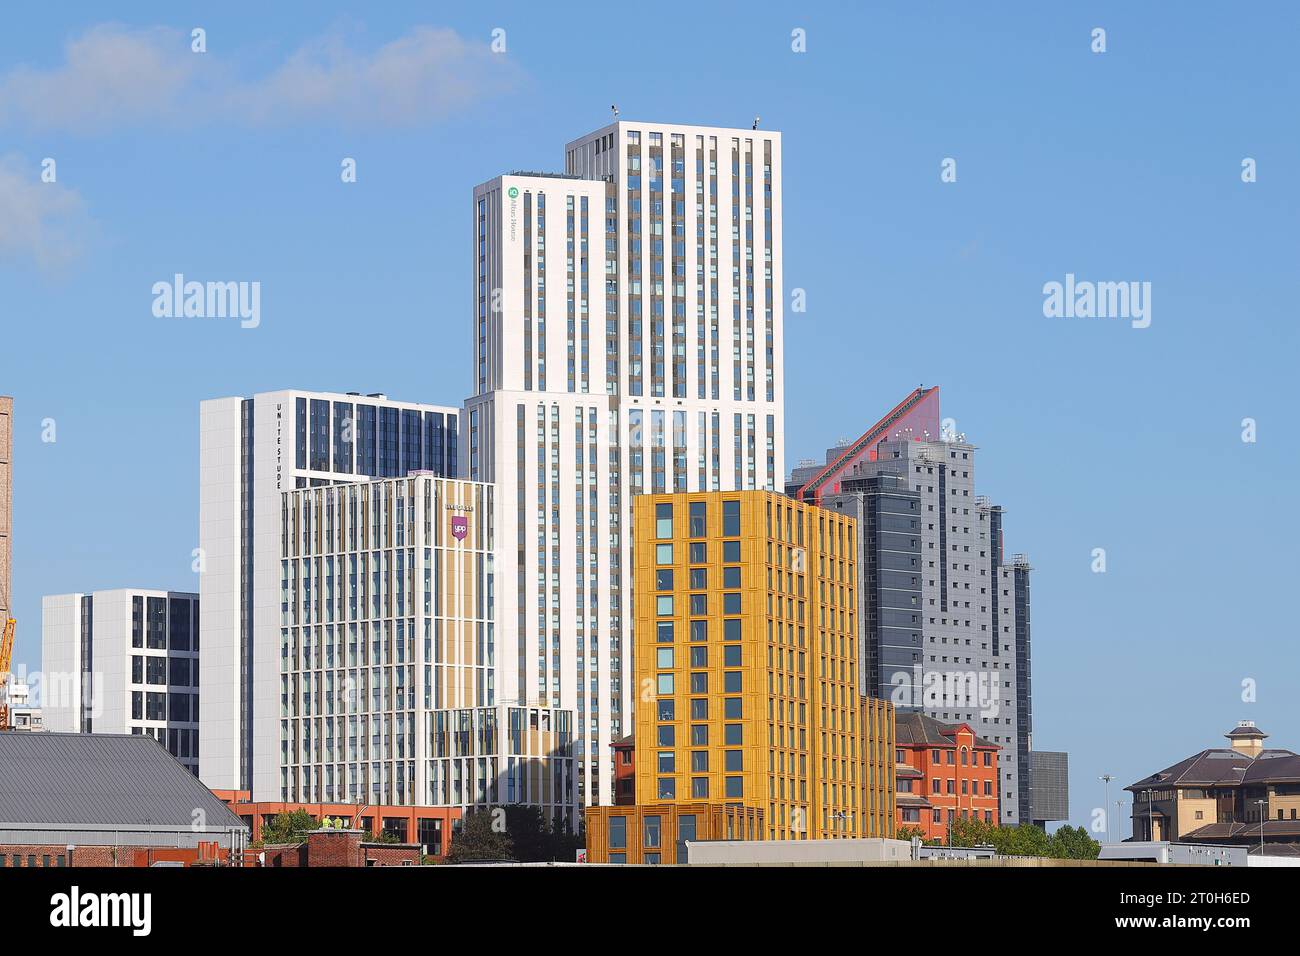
(479, 839)
(1074, 843)
(288, 827)
(907, 833)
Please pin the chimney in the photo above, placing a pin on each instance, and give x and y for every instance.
(1247, 739)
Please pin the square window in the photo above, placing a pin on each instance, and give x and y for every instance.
(663, 554)
(699, 630)
(666, 761)
(664, 632)
(699, 683)
(667, 708)
(699, 735)
(699, 708)
(699, 787)
(733, 708)
(665, 684)
(735, 735)
(664, 580)
(664, 658)
(699, 552)
(699, 579)
(699, 605)
(731, 682)
(731, 655)
(735, 786)
(666, 736)
(731, 577)
(700, 656)
(735, 761)
(664, 605)
(730, 602)
(699, 761)
(731, 629)
(731, 551)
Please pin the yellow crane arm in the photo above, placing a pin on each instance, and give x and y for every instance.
(7, 648)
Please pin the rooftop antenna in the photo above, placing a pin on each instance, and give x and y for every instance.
(756, 119)
(614, 109)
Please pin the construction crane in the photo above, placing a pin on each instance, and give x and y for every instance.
(6, 656)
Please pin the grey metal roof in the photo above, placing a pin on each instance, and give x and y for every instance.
(94, 780)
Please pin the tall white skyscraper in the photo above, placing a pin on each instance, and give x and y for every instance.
(251, 451)
(628, 339)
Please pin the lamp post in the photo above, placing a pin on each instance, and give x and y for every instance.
(1260, 804)
(1106, 778)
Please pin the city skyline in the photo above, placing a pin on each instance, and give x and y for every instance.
(1089, 430)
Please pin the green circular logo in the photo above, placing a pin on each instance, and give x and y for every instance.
(513, 192)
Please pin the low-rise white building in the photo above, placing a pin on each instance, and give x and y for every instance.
(123, 661)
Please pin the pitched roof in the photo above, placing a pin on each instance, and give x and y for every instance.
(1220, 766)
(912, 728)
(125, 780)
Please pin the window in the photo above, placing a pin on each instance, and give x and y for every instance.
(735, 786)
(663, 554)
(699, 761)
(699, 708)
(699, 683)
(699, 735)
(699, 552)
(663, 521)
(699, 630)
(699, 579)
(651, 830)
(732, 708)
(731, 629)
(731, 519)
(731, 577)
(664, 658)
(699, 787)
(664, 632)
(731, 551)
(731, 682)
(618, 832)
(665, 685)
(735, 735)
(698, 519)
(699, 657)
(731, 655)
(664, 605)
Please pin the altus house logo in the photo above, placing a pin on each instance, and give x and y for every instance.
(75, 909)
(1084, 299)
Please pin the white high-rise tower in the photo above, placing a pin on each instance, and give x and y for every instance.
(628, 339)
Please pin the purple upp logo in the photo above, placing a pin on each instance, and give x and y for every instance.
(459, 527)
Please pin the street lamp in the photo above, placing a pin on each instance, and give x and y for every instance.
(1260, 804)
(1106, 778)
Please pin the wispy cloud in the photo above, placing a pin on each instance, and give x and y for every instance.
(115, 76)
(40, 223)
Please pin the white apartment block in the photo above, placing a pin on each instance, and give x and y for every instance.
(251, 451)
(388, 655)
(23, 712)
(123, 661)
(628, 339)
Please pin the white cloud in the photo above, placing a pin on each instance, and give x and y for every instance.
(41, 223)
(114, 76)
(110, 76)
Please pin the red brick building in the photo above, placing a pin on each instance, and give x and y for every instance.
(337, 848)
(944, 772)
(624, 771)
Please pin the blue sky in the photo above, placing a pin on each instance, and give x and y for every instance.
(1124, 165)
